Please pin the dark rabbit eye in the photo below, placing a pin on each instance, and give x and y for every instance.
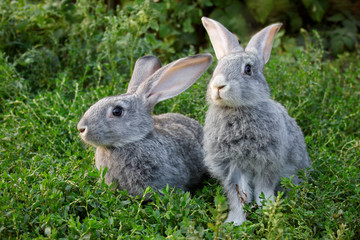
(247, 69)
(117, 111)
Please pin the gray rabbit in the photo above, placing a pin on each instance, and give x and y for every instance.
(250, 141)
(141, 150)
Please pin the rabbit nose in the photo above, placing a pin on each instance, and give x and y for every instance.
(81, 126)
(82, 129)
(218, 87)
(218, 82)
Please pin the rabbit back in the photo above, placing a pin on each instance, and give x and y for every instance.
(297, 155)
(187, 134)
(178, 124)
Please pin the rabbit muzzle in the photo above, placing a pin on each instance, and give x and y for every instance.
(218, 88)
(87, 133)
(83, 129)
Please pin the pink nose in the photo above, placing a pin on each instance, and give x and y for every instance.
(82, 129)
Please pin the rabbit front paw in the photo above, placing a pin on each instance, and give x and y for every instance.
(237, 218)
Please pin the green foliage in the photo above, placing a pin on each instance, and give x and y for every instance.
(225, 9)
(89, 41)
(343, 32)
(83, 39)
(260, 8)
(316, 8)
(335, 20)
(59, 57)
(176, 22)
(11, 84)
(179, 21)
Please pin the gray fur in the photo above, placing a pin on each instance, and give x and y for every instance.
(250, 140)
(141, 150)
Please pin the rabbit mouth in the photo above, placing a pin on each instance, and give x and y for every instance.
(220, 99)
(218, 88)
(90, 141)
(218, 92)
(94, 140)
(223, 97)
(216, 95)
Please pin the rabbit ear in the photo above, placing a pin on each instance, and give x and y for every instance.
(261, 43)
(223, 40)
(173, 78)
(144, 67)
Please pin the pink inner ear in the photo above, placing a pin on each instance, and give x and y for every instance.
(223, 41)
(174, 81)
(261, 42)
(269, 42)
(179, 77)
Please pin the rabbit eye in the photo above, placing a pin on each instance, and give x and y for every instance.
(117, 111)
(247, 69)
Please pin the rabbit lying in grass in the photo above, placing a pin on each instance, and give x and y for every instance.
(250, 140)
(139, 149)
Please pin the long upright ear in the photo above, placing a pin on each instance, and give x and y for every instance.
(223, 40)
(173, 78)
(144, 67)
(261, 42)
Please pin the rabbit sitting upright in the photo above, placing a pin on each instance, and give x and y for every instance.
(141, 150)
(250, 141)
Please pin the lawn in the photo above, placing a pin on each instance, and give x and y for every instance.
(51, 72)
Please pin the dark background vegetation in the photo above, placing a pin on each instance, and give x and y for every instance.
(334, 19)
(59, 57)
(43, 37)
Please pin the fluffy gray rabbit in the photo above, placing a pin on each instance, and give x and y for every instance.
(141, 150)
(250, 140)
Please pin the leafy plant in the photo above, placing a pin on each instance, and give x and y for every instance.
(11, 84)
(316, 8)
(343, 33)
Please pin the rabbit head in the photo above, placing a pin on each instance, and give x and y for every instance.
(238, 78)
(118, 120)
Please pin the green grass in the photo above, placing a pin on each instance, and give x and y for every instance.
(50, 188)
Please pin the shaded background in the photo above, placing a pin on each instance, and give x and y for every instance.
(99, 40)
(335, 19)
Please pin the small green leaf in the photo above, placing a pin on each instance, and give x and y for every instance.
(187, 27)
(211, 226)
(336, 18)
(316, 8)
(260, 8)
(350, 26)
(154, 25)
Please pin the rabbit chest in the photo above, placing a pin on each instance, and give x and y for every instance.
(250, 137)
(128, 167)
(153, 161)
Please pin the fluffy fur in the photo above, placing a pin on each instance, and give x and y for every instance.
(141, 150)
(250, 140)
